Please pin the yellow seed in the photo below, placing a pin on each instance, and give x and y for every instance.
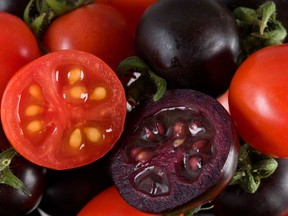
(78, 92)
(93, 134)
(33, 110)
(75, 75)
(75, 139)
(178, 142)
(34, 126)
(99, 93)
(35, 91)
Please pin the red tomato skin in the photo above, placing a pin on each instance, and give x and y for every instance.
(59, 115)
(95, 28)
(18, 47)
(110, 203)
(132, 10)
(223, 100)
(258, 100)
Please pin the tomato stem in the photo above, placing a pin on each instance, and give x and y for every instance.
(252, 167)
(6, 176)
(39, 14)
(259, 28)
(140, 81)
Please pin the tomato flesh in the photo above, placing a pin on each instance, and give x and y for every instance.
(64, 110)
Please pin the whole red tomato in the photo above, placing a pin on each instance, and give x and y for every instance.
(258, 100)
(18, 47)
(96, 28)
(110, 203)
(64, 110)
(131, 9)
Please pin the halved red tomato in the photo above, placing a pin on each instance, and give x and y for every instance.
(64, 110)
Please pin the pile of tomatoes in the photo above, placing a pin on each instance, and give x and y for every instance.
(64, 98)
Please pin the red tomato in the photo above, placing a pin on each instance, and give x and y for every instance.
(64, 110)
(223, 99)
(258, 100)
(131, 9)
(18, 47)
(110, 203)
(95, 28)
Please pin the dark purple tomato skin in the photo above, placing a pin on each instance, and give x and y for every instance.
(128, 168)
(15, 7)
(14, 202)
(191, 44)
(69, 190)
(281, 6)
(271, 199)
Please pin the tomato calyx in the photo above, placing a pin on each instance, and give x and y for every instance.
(39, 14)
(139, 81)
(260, 27)
(252, 167)
(6, 175)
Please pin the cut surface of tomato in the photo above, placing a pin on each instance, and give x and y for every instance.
(64, 110)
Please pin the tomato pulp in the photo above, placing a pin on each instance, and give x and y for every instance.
(64, 110)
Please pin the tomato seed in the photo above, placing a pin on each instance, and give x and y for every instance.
(34, 126)
(75, 138)
(78, 92)
(178, 142)
(35, 91)
(93, 134)
(99, 93)
(33, 110)
(144, 156)
(75, 75)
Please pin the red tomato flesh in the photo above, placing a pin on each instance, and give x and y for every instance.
(64, 110)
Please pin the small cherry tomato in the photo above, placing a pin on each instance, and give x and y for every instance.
(64, 110)
(258, 100)
(110, 203)
(18, 47)
(96, 28)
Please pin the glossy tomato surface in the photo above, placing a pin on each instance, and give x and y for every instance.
(18, 47)
(96, 28)
(64, 110)
(258, 100)
(132, 10)
(110, 203)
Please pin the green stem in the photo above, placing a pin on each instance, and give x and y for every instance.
(259, 28)
(252, 167)
(6, 176)
(40, 13)
(139, 81)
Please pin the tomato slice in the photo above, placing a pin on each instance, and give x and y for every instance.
(64, 110)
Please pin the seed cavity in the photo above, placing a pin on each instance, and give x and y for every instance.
(93, 134)
(75, 139)
(35, 126)
(152, 182)
(75, 75)
(33, 110)
(99, 93)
